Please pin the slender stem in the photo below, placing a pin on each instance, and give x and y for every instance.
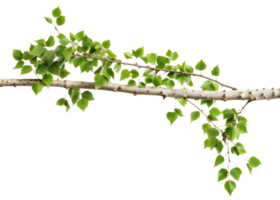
(228, 157)
(244, 106)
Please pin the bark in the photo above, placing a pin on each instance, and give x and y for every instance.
(226, 95)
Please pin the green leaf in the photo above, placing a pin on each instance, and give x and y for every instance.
(171, 116)
(188, 68)
(56, 12)
(41, 42)
(240, 148)
(64, 41)
(249, 168)
(60, 36)
(61, 102)
(232, 132)
(242, 119)
(26, 56)
(212, 118)
(213, 142)
(37, 51)
(42, 69)
(54, 68)
(48, 19)
(127, 55)
(215, 111)
(183, 102)
(67, 53)
(254, 162)
(67, 105)
(117, 67)
(223, 173)
(100, 80)
(19, 65)
(59, 50)
(80, 35)
(60, 21)
(174, 56)
(131, 82)
(241, 126)
(206, 143)
(227, 113)
(162, 60)
(75, 94)
(180, 78)
(37, 88)
(195, 115)
(87, 95)
(157, 81)
(200, 65)
(170, 84)
(63, 73)
(48, 78)
(125, 74)
(139, 52)
(219, 147)
(178, 112)
(208, 86)
(219, 160)
(72, 36)
(142, 85)
(17, 54)
(236, 173)
(26, 69)
(134, 73)
(149, 79)
(212, 132)
(110, 72)
(106, 44)
(50, 42)
(31, 47)
(82, 104)
(168, 53)
(234, 150)
(230, 186)
(111, 54)
(216, 71)
(152, 58)
(49, 56)
(33, 60)
(205, 127)
(145, 59)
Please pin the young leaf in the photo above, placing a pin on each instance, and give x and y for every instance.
(183, 102)
(49, 56)
(67, 53)
(127, 55)
(157, 81)
(168, 53)
(67, 105)
(227, 113)
(106, 44)
(213, 142)
(41, 42)
(56, 12)
(242, 119)
(17, 54)
(142, 85)
(19, 65)
(200, 65)
(64, 41)
(212, 132)
(117, 67)
(48, 78)
(50, 42)
(171, 116)
(134, 73)
(111, 54)
(212, 118)
(230, 186)
(82, 104)
(249, 168)
(205, 127)
(241, 126)
(206, 143)
(61, 102)
(37, 88)
(219, 147)
(110, 72)
(236, 173)
(254, 162)
(48, 19)
(60, 36)
(178, 112)
(139, 52)
(87, 95)
(72, 36)
(240, 148)
(59, 50)
(152, 58)
(215, 111)
(195, 115)
(26, 56)
(26, 69)
(63, 73)
(75, 95)
(100, 80)
(222, 174)
(80, 36)
(37, 51)
(170, 84)
(131, 82)
(215, 71)
(174, 56)
(125, 74)
(219, 160)
(60, 21)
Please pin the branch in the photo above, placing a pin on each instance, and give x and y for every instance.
(265, 94)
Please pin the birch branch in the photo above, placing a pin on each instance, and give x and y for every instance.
(226, 95)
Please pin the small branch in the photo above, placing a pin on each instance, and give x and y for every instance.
(244, 106)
